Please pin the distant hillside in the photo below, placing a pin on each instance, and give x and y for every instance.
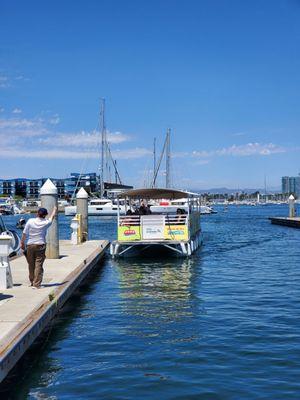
(224, 190)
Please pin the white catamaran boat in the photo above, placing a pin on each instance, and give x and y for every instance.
(166, 206)
(99, 207)
(177, 231)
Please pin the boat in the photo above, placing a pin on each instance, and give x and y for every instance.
(103, 205)
(176, 230)
(8, 206)
(99, 207)
(15, 243)
(167, 206)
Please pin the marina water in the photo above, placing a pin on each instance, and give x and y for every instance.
(221, 325)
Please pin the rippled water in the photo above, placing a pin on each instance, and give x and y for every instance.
(221, 325)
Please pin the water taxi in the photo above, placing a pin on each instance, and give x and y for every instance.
(176, 230)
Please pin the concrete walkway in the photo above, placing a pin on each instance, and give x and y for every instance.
(25, 312)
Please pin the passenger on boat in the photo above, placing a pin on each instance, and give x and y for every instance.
(180, 212)
(143, 209)
(130, 219)
(148, 210)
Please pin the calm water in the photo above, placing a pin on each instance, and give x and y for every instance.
(222, 325)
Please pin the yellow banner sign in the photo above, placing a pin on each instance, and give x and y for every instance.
(129, 233)
(176, 232)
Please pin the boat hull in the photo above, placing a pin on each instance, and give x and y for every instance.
(156, 248)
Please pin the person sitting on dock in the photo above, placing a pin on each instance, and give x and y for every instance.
(35, 232)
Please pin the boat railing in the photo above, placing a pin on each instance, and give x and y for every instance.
(169, 219)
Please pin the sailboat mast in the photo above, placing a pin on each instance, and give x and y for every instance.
(154, 160)
(168, 156)
(103, 144)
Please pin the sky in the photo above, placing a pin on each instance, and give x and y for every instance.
(223, 75)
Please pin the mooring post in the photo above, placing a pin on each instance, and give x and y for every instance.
(49, 201)
(82, 208)
(291, 206)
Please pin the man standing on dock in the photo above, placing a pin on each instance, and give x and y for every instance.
(35, 232)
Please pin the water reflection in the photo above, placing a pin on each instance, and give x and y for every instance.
(159, 296)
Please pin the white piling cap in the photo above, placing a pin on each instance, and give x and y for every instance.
(82, 194)
(291, 197)
(48, 187)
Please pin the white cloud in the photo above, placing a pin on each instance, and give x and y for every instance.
(239, 134)
(17, 111)
(69, 154)
(21, 78)
(117, 137)
(46, 154)
(180, 154)
(2, 109)
(83, 139)
(131, 153)
(4, 81)
(36, 138)
(249, 149)
(54, 120)
(16, 128)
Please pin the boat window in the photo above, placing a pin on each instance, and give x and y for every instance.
(98, 203)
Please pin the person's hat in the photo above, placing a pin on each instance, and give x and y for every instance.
(42, 212)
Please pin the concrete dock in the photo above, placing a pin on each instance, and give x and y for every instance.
(25, 312)
(293, 222)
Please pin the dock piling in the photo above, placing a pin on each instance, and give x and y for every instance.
(82, 209)
(291, 206)
(49, 201)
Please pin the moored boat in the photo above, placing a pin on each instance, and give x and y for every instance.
(99, 207)
(15, 239)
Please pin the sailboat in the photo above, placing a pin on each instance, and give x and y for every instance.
(103, 206)
(171, 205)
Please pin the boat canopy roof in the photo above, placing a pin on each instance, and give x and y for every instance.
(157, 193)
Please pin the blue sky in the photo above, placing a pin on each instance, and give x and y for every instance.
(223, 75)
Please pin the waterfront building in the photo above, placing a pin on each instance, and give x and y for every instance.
(30, 188)
(66, 187)
(291, 185)
(89, 181)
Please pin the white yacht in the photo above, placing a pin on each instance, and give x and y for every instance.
(166, 206)
(101, 207)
